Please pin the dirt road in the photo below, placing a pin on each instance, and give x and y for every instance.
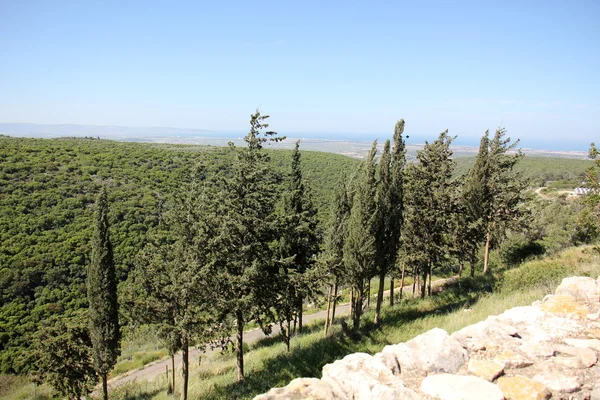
(154, 369)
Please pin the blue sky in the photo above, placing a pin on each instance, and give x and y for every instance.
(339, 67)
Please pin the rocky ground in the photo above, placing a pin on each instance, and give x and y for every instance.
(548, 350)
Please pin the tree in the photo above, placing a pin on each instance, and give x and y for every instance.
(389, 210)
(333, 252)
(172, 285)
(102, 296)
(298, 247)
(61, 353)
(246, 259)
(469, 223)
(359, 243)
(426, 234)
(504, 191)
(588, 227)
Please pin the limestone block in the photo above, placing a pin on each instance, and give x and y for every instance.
(522, 388)
(488, 370)
(303, 388)
(460, 387)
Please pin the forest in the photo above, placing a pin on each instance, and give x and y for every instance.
(101, 237)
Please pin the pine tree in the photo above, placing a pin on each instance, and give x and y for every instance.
(427, 229)
(504, 191)
(359, 243)
(298, 247)
(248, 229)
(102, 296)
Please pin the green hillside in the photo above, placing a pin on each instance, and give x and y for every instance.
(539, 170)
(47, 188)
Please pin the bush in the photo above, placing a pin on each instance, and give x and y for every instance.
(518, 249)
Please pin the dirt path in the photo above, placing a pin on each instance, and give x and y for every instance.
(154, 369)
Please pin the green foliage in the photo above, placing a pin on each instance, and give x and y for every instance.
(103, 312)
(62, 356)
(589, 219)
(539, 171)
(428, 207)
(359, 244)
(516, 249)
(247, 224)
(297, 247)
(47, 189)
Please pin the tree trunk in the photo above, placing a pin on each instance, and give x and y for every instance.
(368, 296)
(104, 386)
(301, 301)
(460, 267)
(416, 284)
(429, 286)
(240, 346)
(335, 293)
(472, 269)
(173, 368)
(358, 305)
(351, 302)
(424, 284)
(402, 280)
(328, 309)
(380, 296)
(185, 358)
(486, 258)
(391, 291)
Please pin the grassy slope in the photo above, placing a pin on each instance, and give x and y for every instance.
(464, 303)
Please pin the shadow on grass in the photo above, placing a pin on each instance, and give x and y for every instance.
(307, 358)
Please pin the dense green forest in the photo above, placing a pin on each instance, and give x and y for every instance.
(538, 171)
(47, 190)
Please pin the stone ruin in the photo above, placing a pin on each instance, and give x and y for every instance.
(548, 350)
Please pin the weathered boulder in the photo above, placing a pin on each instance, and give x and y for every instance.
(565, 305)
(303, 388)
(432, 351)
(558, 382)
(460, 387)
(581, 288)
(361, 376)
(584, 343)
(510, 359)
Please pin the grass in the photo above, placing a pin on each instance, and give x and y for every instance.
(462, 303)
(138, 349)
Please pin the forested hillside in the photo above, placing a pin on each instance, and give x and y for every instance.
(47, 189)
(539, 170)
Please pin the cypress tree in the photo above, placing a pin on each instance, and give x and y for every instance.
(103, 314)
(427, 229)
(472, 204)
(298, 246)
(385, 252)
(333, 253)
(248, 229)
(504, 191)
(359, 244)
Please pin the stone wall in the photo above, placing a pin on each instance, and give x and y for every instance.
(547, 350)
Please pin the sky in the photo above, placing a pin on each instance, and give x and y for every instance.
(341, 68)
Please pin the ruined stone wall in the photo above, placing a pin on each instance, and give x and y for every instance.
(547, 350)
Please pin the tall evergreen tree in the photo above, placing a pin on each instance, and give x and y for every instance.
(333, 252)
(385, 254)
(504, 191)
(471, 202)
(427, 229)
(298, 247)
(172, 285)
(103, 311)
(359, 244)
(588, 224)
(248, 228)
